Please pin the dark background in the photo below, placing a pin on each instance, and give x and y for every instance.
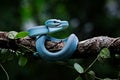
(87, 18)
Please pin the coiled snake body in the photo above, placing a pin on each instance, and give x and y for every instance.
(53, 25)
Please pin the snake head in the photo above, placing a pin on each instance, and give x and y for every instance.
(51, 25)
(55, 25)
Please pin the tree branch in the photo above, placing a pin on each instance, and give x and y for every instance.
(86, 48)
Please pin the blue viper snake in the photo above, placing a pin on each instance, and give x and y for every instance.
(53, 25)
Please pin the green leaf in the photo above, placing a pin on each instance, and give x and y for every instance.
(78, 78)
(90, 75)
(12, 34)
(22, 61)
(78, 68)
(3, 51)
(104, 53)
(22, 34)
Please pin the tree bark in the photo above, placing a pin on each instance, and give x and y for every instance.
(86, 48)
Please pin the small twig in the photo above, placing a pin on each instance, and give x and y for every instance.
(4, 71)
(91, 64)
(98, 56)
(26, 48)
(98, 78)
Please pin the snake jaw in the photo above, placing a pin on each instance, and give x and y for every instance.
(54, 23)
(63, 24)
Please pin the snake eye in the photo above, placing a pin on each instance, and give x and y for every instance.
(55, 21)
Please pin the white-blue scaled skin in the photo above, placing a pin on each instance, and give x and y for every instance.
(53, 25)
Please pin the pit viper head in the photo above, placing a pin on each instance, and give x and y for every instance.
(51, 25)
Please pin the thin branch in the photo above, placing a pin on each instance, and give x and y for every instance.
(86, 48)
(4, 71)
(91, 64)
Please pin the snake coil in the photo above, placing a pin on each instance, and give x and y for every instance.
(53, 25)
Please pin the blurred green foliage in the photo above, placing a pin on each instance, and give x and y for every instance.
(10, 15)
(87, 18)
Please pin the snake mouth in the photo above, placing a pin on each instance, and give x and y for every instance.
(58, 25)
(62, 24)
(55, 25)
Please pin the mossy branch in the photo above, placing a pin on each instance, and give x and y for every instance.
(86, 48)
